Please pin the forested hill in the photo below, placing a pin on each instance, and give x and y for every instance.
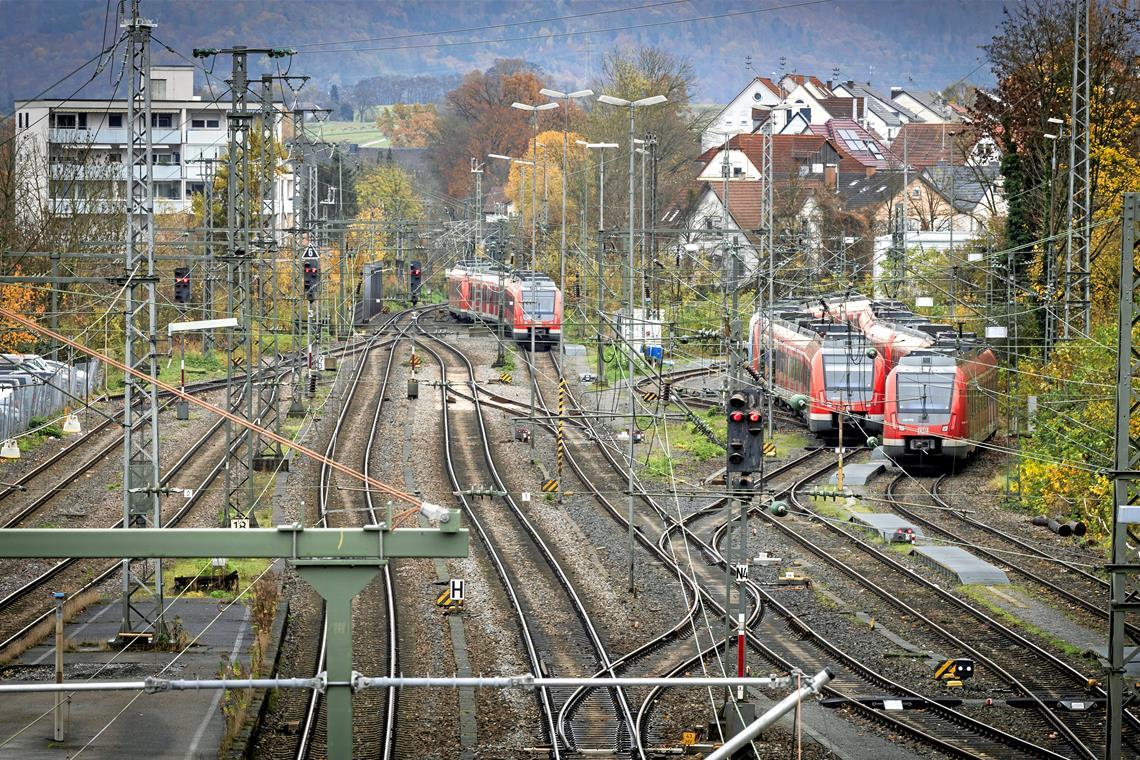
(892, 42)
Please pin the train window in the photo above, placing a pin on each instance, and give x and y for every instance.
(923, 392)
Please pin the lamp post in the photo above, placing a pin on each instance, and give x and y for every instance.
(601, 227)
(533, 111)
(1050, 263)
(632, 105)
(565, 97)
(499, 360)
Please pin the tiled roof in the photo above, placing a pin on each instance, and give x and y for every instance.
(840, 108)
(861, 192)
(927, 144)
(965, 186)
(743, 202)
(789, 152)
(854, 141)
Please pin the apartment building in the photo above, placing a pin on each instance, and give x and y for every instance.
(74, 150)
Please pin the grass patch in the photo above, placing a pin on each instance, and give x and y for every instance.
(359, 132)
(684, 437)
(247, 569)
(980, 595)
(659, 466)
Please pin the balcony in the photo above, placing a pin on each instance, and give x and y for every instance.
(109, 136)
(88, 206)
(91, 171)
(166, 172)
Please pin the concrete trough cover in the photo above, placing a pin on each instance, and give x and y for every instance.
(961, 564)
(886, 524)
(575, 349)
(858, 474)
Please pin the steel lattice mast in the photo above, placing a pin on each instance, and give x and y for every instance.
(142, 506)
(1077, 290)
(1124, 581)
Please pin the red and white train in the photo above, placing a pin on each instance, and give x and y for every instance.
(941, 401)
(822, 370)
(931, 392)
(524, 302)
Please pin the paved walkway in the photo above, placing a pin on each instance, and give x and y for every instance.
(122, 724)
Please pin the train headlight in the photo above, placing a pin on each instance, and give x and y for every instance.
(945, 428)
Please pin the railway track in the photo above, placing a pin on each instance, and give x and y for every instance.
(1077, 587)
(935, 725)
(1019, 666)
(559, 635)
(374, 622)
(18, 607)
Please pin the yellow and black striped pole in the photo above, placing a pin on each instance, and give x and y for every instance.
(561, 427)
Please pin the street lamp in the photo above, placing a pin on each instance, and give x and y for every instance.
(533, 111)
(601, 227)
(500, 358)
(632, 105)
(1050, 265)
(565, 97)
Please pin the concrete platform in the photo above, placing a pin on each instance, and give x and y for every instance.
(886, 524)
(183, 724)
(857, 475)
(962, 565)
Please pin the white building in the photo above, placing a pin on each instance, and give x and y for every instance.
(740, 115)
(75, 149)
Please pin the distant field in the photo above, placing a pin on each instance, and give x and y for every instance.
(360, 132)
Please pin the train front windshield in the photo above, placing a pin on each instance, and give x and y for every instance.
(924, 393)
(848, 377)
(545, 303)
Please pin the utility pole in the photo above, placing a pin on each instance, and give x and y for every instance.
(1077, 292)
(242, 446)
(477, 170)
(1124, 570)
(142, 505)
(632, 105)
(268, 454)
(599, 253)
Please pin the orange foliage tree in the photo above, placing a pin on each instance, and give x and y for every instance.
(409, 125)
(25, 301)
(478, 119)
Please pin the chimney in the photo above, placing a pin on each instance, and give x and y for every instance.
(831, 177)
(850, 83)
(854, 109)
(895, 92)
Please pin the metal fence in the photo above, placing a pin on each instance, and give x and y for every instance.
(25, 395)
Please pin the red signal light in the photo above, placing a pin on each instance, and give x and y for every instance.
(754, 417)
(737, 416)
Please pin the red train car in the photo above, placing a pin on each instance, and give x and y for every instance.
(824, 371)
(524, 302)
(941, 401)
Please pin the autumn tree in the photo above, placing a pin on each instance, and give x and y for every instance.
(634, 74)
(1032, 58)
(409, 125)
(477, 119)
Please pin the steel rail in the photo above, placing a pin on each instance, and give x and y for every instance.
(796, 625)
(309, 724)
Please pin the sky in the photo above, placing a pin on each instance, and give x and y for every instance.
(926, 44)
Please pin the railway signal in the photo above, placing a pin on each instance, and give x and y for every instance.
(182, 285)
(415, 273)
(312, 278)
(745, 434)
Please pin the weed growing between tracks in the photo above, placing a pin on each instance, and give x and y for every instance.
(262, 601)
(981, 595)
